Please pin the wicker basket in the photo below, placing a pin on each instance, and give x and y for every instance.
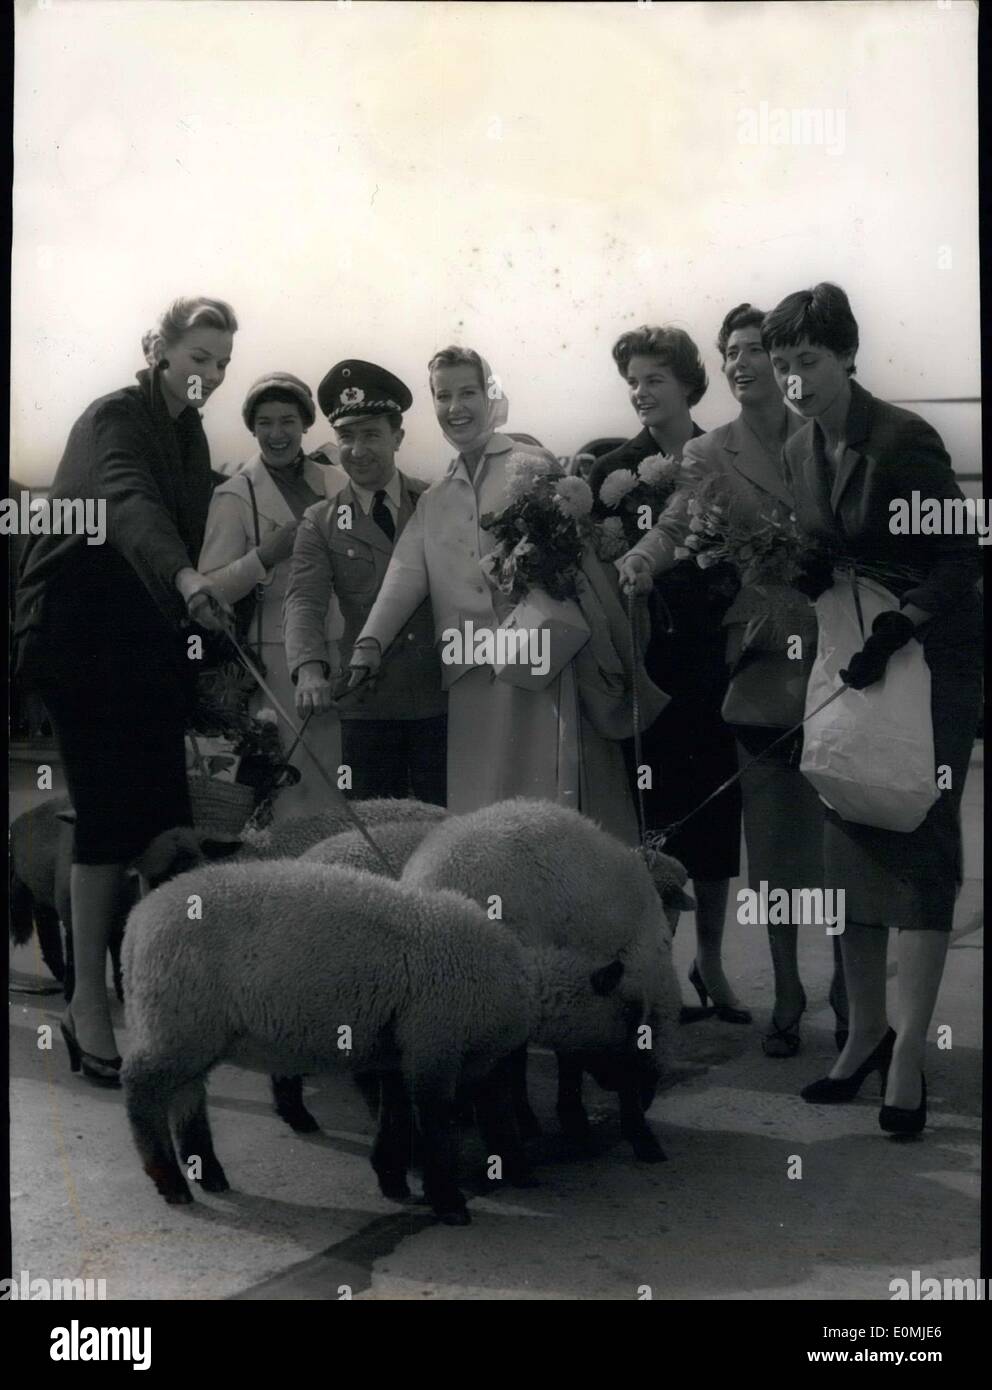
(220, 809)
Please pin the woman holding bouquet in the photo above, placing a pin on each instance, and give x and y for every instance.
(689, 748)
(98, 633)
(503, 740)
(738, 468)
(852, 460)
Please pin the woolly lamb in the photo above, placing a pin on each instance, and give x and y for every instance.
(290, 838)
(289, 956)
(563, 881)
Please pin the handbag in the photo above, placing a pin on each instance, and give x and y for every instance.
(870, 753)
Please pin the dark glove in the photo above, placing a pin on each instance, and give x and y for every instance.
(889, 632)
(816, 575)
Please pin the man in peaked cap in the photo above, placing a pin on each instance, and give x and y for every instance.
(394, 740)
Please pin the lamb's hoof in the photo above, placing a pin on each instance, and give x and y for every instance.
(300, 1121)
(178, 1198)
(215, 1180)
(454, 1218)
(648, 1151)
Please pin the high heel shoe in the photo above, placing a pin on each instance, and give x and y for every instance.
(895, 1120)
(724, 1012)
(102, 1071)
(784, 1041)
(831, 1090)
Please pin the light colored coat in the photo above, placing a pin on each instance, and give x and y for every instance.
(229, 556)
(438, 553)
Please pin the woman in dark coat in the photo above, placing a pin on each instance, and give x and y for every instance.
(689, 748)
(847, 466)
(97, 632)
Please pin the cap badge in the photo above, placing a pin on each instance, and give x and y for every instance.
(352, 395)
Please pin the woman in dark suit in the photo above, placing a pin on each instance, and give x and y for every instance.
(741, 464)
(689, 748)
(97, 632)
(854, 458)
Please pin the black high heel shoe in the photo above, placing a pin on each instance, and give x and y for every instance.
(830, 1090)
(723, 1011)
(895, 1120)
(784, 1041)
(102, 1071)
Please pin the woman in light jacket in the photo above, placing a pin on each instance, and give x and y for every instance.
(783, 816)
(503, 741)
(274, 488)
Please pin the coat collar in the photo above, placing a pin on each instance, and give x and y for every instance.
(856, 430)
(497, 444)
(749, 458)
(271, 503)
(363, 528)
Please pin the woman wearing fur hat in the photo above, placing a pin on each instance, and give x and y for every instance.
(249, 545)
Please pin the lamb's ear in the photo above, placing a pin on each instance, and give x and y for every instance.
(68, 817)
(605, 980)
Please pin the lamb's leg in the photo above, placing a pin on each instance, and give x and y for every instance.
(497, 1121)
(527, 1122)
(148, 1090)
(633, 1125)
(194, 1141)
(368, 1084)
(434, 1104)
(287, 1094)
(391, 1151)
(46, 921)
(571, 1112)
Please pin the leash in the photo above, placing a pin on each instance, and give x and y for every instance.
(270, 695)
(658, 838)
(633, 614)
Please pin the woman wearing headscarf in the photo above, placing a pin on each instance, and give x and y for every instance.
(503, 741)
(98, 633)
(249, 545)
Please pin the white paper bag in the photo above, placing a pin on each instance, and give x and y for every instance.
(870, 753)
(551, 632)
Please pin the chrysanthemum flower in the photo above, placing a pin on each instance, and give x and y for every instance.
(658, 468)
(574, 497)
(524, 470)
(615, 487)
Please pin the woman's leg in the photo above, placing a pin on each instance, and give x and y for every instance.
(95, 890)
(790, 999)
(711, 911)
(864, 950)
(920, 957)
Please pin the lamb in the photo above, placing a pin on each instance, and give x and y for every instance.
(558, 879)
(302, 967)
(351, 850)
(290, 838)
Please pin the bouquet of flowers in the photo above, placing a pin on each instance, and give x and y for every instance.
(541, 532)
(768, 548)
(637, 499)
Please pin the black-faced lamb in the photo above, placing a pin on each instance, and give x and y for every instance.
(301, 967)
(556, 878)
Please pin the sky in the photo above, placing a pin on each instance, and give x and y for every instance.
(378, 180)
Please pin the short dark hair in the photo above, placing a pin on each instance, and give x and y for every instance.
(821, 316)
(673, 347)
(743, 316)
(275, 393)
(456, 357)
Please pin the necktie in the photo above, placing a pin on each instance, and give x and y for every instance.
(382, 516)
